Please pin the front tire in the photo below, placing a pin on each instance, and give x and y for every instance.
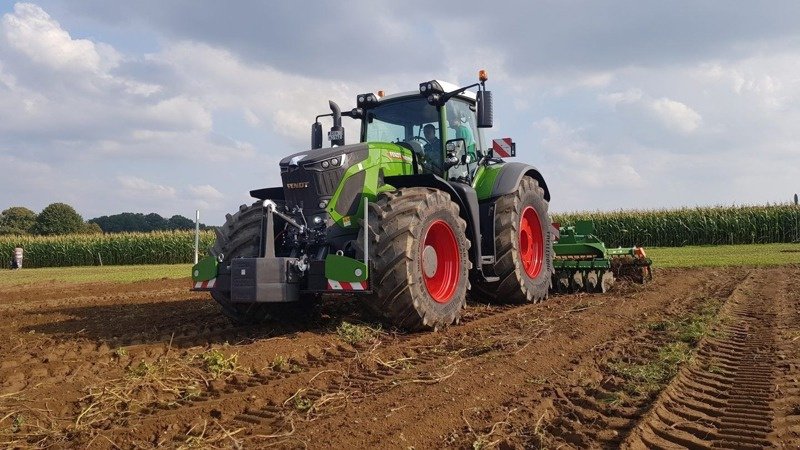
(239, 237)
(420, 262)
(523, 245)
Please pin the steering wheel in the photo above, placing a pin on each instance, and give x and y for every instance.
(419, 138)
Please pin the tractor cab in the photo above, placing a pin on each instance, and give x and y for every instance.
(444, 137)
(441, 124)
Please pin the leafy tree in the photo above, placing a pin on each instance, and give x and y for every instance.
(91, 228)
(118, 223)
(11, 230)
(178, 222)
(155, 222)
(58, 218)
(138, 222)
(17, 218)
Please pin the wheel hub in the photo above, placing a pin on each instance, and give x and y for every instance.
(429, 263)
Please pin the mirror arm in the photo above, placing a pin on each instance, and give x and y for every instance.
(452, 94)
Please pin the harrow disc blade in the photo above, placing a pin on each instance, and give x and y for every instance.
(607, 281)
(592, 281)
(577, 281)
(563, 282)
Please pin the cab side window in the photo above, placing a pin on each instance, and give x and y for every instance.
(463, 124)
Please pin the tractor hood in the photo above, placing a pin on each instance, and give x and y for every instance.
(311, 158)
(311, 178)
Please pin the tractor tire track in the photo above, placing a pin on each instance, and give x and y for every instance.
(589, 415)
(727, 397)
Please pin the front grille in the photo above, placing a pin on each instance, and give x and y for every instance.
(320, 184)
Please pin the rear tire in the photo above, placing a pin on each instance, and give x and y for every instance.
(524, 247)
(419, 260)
(239, 237)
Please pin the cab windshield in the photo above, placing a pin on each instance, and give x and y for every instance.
(399, 121)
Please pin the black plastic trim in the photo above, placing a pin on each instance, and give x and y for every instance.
(272, 193)
(350, 197)
(510, 176)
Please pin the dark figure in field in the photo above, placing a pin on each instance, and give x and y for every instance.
(16, 260)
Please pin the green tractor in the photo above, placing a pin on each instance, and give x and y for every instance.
(412, 218)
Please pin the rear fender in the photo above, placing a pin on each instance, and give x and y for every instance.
(505, 181)
(511, 174)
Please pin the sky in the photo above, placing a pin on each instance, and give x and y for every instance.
(169, 107)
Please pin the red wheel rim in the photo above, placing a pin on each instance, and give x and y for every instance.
(531, 244)
(441, 261)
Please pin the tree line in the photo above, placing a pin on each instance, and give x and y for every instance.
(61, 218)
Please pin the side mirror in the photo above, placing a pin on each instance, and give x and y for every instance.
(316, 135)
(485, 113)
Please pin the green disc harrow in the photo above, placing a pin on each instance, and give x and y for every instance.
(584, 263)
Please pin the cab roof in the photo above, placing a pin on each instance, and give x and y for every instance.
(447, 87)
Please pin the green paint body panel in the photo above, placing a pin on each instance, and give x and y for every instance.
(205, 269)
(581, 265)
(579, 240)
(384, 157)
(342, 268)
(621, 251)
(485, 179)
(595, 249)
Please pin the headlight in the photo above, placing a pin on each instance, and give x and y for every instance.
(336, 161)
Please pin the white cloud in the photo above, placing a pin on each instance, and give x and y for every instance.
(285, 102)
(672, 114)
(181, 112)
(581, 164)
(206, 191)
(206, 197)
(676, 115)
(139, 188)
(66, 98)
(33, 32)
(629, 96)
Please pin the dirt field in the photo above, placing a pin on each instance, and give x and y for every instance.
(697, 358)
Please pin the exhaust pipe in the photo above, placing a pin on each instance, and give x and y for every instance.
(336, 135)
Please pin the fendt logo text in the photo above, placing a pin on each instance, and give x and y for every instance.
(302, 185)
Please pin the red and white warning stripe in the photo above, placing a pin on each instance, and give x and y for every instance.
(208, 284)
(503, 148)
(334, 285)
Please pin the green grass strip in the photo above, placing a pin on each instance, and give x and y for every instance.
(94, 274)
(725, 255)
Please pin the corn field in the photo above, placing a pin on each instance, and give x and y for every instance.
(112, 249)
(656, 228)
(694, 226)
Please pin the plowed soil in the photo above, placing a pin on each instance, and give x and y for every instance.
(697, 358)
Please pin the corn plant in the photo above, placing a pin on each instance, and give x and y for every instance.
(166, 247)
(694, 226)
